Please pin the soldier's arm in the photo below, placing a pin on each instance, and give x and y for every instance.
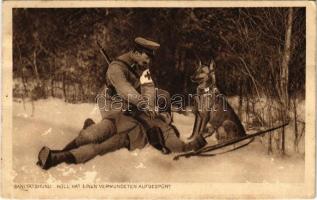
(119, 81)
(148, 88)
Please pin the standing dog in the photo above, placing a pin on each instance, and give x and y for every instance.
(213, 108)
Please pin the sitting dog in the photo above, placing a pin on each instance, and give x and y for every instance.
(211, 107)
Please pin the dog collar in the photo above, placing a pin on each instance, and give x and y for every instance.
(203, 90)
(206, 89)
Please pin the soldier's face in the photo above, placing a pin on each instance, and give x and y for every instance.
(142, 59)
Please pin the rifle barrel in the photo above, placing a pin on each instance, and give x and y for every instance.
(103, 52)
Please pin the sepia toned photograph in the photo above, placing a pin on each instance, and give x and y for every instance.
(136, 100)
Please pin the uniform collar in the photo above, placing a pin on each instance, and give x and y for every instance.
(127, 58)
(129, 61)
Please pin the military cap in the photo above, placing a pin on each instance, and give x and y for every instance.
(145, 45)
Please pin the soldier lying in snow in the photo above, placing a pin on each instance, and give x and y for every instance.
(127, 123)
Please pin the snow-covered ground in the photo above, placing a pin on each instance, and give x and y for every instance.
(55, 123)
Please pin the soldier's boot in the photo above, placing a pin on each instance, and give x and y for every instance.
(196, 144)
(73, 145)
(50, 158)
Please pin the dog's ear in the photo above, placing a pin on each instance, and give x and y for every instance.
(199, 63)
(212, 65)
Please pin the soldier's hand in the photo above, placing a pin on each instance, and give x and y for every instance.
(151, 113)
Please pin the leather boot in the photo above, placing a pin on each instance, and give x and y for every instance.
(71, 145)
(50, 158)
(88, 122)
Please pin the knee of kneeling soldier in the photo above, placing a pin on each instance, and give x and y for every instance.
(96, 133)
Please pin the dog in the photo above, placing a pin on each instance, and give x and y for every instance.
(212, 108)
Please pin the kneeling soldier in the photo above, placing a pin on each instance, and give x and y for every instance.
(119, 129)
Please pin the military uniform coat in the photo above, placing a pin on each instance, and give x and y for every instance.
(122, 92)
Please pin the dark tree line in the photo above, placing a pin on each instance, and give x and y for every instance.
(58, 46)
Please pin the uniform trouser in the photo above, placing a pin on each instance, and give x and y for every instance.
(101, 138)
(98, 139)
(172, 141)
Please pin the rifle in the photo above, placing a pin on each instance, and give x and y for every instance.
(103, 52)
(201, 152)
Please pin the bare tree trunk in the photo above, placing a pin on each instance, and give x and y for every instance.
(247, 110)
(81, 88)
(52, 76)
(270, 150)
(296, 139)
(185, 71)
(178, 59)
(25, 91)
(75, 96)
(283, 140)
(240, 99)
(52, 87)
(286, 57)
(284, 75)
(64, 86)
(35, 67)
